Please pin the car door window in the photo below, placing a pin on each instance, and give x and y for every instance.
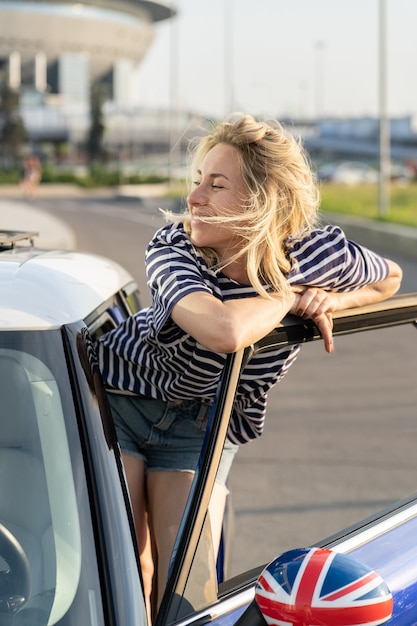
(45, 531)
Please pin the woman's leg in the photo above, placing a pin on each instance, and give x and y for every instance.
(167, 496)
(135, 476)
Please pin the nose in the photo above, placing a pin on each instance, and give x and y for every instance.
(197, 196)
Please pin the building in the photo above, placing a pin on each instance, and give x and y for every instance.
(52, 51)
(60, 46)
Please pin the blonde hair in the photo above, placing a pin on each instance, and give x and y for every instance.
(283, 196)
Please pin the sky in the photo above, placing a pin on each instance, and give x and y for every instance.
(303, 58)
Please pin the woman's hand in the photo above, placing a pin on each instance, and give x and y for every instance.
(318, 305)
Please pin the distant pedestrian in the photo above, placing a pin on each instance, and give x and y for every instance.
(31, 176)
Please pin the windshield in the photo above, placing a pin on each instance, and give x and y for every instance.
(49, 566)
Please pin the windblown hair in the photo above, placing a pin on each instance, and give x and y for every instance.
(282, 202)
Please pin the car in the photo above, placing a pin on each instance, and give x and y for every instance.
(325, 172)
(348, 172)
(67, 546)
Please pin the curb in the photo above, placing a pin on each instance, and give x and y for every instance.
(392, 238)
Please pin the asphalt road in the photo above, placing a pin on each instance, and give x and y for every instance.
(341, 433)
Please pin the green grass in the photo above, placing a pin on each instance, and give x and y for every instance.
(362, 201)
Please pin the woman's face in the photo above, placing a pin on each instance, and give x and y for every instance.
(219, 190)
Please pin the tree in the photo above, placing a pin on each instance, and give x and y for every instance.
(12, 129)
(95, 149)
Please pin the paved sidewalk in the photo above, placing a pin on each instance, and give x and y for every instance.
(20, 215)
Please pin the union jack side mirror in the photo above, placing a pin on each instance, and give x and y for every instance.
(320, 587)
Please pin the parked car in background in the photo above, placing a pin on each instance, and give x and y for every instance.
(67, 547)
(348, 172)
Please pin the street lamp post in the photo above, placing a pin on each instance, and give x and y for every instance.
(384, 129)
(319, 79)
(228, 57)
(174, 139)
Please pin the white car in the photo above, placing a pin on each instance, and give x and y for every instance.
(354, 172)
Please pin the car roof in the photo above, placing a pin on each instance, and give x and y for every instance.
(42, 289)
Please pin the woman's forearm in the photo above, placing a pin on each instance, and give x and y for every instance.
(231, 325)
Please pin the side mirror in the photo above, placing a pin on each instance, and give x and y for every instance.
(320, 587)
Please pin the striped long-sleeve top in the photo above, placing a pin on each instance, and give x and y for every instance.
(148, 354)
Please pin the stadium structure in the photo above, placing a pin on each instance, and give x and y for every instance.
(61, 45)
(53, 51)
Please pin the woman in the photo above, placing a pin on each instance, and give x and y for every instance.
(246, 253)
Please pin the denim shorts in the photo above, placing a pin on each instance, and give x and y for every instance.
(167, 435)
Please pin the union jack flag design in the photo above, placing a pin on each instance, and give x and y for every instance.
(319, 587)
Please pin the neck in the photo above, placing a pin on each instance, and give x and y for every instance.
(234, 264)
(237, 272)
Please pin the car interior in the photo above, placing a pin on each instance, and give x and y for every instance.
(43, 571)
